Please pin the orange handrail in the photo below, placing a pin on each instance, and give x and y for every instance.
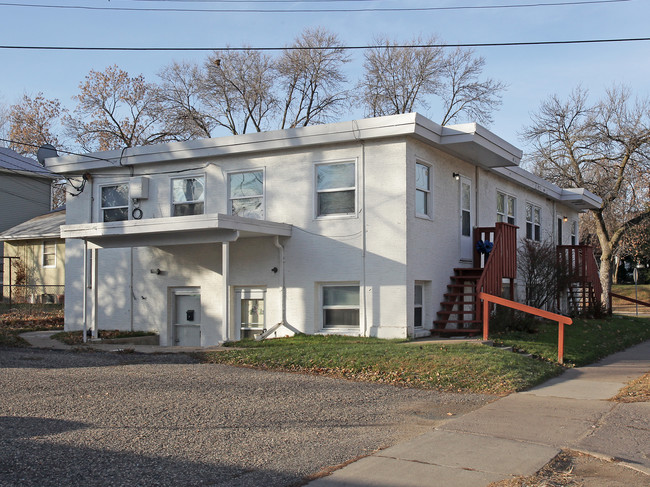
(561, 319)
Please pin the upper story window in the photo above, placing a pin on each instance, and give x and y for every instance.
(49, 253)
(422, 190)
(115, 202)
(188, 196)
(533, 222)
(506, 206)
(336, 189)
(246, 194)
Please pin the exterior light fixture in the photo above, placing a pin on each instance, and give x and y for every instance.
(566, 219)
(456, 176)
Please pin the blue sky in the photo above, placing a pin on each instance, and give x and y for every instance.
(532, 73)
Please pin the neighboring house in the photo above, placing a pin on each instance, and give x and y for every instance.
(36, 251)
(348, 228)
(25, 192)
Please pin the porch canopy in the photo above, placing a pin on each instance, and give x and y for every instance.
(185, 230)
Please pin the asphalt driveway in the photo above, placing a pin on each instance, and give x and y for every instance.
(110, 419)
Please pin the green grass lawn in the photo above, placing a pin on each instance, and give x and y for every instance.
(446, 367)
(585, 341)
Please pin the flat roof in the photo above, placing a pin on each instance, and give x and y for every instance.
(470, 142)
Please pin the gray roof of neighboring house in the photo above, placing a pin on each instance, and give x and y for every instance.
(40, 227)
(11, 161)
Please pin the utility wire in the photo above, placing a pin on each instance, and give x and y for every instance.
(341, 48)
(317, 10)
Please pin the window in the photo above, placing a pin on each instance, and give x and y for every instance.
(533, 222)
(422, 190)
(336, 189)
(574, 233)
(115, 202)
(49, 253)
(418, 305)
(506, 208)
(188, 196)
(246, 194)
(340, 306)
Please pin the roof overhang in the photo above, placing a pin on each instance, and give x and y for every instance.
(579, 199)
(470, 142)
(185, 230)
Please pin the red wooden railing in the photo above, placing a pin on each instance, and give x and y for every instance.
(579, 264)
(502, 262)
(561, 319)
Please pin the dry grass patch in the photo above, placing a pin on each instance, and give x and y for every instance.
(636, 391)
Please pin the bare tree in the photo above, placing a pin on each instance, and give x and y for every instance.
(603, 148)
(398, 79)
(4, 124)
(115, 111)
(183, 112)
(311, 78)
(33, 122)
(238, 88)
(463, 93)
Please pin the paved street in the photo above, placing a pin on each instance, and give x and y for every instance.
(114, 419)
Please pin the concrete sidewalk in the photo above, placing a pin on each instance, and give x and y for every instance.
(519, 434)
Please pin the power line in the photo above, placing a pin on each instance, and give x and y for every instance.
(318, 10)
(342, 48)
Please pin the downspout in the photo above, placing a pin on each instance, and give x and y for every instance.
(364, 241)
(84, 301)
(280, 247)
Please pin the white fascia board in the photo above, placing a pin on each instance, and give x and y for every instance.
(341, 132)
(578, 198)
(193, 229)
(478, 145)
(16, 238)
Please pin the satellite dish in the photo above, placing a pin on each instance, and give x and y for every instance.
(45, 151)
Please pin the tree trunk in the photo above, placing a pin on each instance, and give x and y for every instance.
(606, 282)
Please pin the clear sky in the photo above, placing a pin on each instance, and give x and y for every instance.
(532, 73)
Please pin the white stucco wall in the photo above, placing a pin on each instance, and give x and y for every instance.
(384, 248)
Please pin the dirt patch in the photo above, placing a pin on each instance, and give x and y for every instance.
(636, 391)
(574, 469)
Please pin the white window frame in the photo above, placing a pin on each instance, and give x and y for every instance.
(427, 191)
(103, 208)
(322, 307)
(43, 253)
(504, 217)
(534, 235)
(354, 188)
(171, 193)
(261, 196)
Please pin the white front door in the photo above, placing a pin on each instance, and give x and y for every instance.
(466, 205)
(186, 326)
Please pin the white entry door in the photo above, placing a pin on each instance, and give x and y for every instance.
(466, 205)
(250, 311)
(186, 326)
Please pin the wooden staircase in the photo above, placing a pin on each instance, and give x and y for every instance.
(460, 312)
(460, 306)
(578, 265)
